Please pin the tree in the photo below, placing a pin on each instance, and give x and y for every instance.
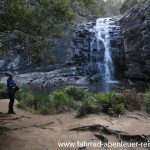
(32, 20)
(35, 17)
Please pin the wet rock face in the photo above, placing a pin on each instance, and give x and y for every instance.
(2, 63)
(136, 32)
(89, 49)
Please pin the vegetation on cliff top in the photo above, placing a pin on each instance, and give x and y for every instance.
(32, 23)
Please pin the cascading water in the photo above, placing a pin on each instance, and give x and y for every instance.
(102, 34)
(100, 52)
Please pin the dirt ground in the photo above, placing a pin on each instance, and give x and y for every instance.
(27, 131)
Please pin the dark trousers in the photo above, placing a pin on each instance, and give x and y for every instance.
(11, 102)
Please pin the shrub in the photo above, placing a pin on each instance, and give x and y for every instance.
(39, 102)
(34, 102)
(22, 93)
(56, 102)
(146, 102)
(117, 103)
(118, 108)
(60, 98)
(89, 106)
(133, 100)
(76, 93)
(20, 105)
(3, 91)
(45, 110)
(71, 98)
(110, 101)
(25, 99)
(26, 102)
(61, 102)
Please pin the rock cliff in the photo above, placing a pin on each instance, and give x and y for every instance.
(136, 32)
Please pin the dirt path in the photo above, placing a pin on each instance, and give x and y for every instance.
(27, 131)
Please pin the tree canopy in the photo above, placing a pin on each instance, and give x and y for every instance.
(31, 21)
(35, 16)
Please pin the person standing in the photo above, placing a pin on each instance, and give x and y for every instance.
(11, 89)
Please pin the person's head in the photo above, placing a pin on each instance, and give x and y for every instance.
(10, 77)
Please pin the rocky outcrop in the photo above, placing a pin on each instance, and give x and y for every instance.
(29, 53)
(135, 29)
(128, 4)
(63, 76)
(90, 49)
(2, 62)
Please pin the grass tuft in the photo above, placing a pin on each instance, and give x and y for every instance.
(146, 102)
(111, 103)
(76, 93)
(3, 91)
(70, 99)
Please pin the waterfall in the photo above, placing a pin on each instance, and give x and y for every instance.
(100, 53)
(102, 29)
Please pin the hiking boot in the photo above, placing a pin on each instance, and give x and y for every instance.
(11, 112)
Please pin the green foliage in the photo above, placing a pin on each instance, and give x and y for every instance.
(71, 98)
(96, 8)
(111, 101)
(31, 23)
(146, 102)
(118, 109)
(101, 8)
(76, 93)
(33, 102)
(61, 102)
(3, 88)
(89, 106)
(3, 91)
(35, 18)
(22, 93)
(45, 104)
(25, 100)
